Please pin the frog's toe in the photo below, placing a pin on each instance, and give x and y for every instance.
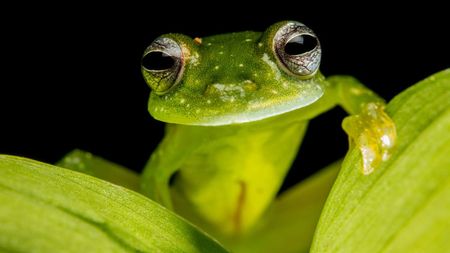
(373, 133)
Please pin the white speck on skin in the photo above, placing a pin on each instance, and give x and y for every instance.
(221, 52)
(208, 101)
(231, 55)
(255, 103)
(188, 105)
(260, 44)
(248, 40)
(241, 65)
(216, 67)
(209, 44)
(194, 59)
(229, 92)
(372, 110)
(272, 65)
(255, 74)
(182, 101)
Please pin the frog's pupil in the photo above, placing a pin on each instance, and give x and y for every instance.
(300, 44)
(157, 61)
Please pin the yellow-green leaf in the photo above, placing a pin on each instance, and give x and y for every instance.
(44, 208)
(404, 206)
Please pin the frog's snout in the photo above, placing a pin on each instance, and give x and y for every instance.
(230, 92)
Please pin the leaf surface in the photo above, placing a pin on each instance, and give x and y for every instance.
(44, 208)
(404, 206)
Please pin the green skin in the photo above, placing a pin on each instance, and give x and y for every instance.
(236, 119)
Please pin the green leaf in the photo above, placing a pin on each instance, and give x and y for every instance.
(404, 206)
(44, 208)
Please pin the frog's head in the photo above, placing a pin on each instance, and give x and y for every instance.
(233, 78)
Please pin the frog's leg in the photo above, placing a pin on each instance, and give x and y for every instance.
(177, 145)
(369, 127)
(87, 163)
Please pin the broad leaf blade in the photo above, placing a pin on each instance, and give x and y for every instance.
(405, 205)
(44, 208)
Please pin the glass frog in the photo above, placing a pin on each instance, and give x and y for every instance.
(237, 106)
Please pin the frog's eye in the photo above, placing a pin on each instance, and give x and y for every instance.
(297, 49)
(162, 64)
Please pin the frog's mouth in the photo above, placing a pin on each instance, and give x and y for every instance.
(225, 104)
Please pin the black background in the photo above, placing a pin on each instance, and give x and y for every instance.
(70, 75)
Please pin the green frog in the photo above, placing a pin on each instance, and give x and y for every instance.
(237, 107)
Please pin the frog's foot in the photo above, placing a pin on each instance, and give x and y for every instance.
(373, 132)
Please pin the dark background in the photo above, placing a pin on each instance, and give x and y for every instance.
(71, 75)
